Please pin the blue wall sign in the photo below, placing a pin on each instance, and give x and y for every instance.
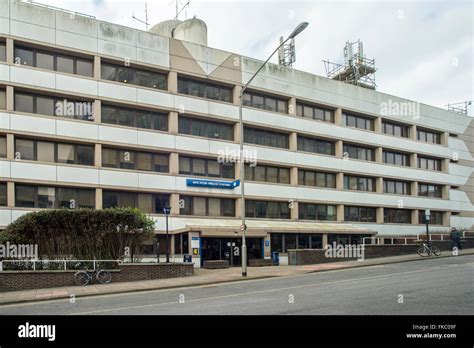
(230, 185)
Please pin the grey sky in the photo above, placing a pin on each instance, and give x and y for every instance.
(423, 49)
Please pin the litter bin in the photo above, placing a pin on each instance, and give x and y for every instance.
(187, 258)
(275, 258)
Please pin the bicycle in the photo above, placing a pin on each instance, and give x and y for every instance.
(428, 249)
(82, 278)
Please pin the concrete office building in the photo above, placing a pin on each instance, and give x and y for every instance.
(103, 115)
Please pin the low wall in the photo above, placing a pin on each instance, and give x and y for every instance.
(128, 272)
(315, 256)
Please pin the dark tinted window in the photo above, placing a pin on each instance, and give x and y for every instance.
(206, 128)
(3, 194)
(430, 190)
(308, 211)
(3, 53)
(362, 214)
(146, 202)
(428, 136)
(436, 217)
(358, 121)
(396, 187)
(267, 209)
(399, 216)
(129, 159)
(134, 76)
(266, 137)
(395, 129)
(399, 159)
(29, 196)
(359, 152)
(205, 167)
(207, 206)
(319, 179)
(204, 89)
(266, 102)
(134, 118)
(3, 100)
(314, 112)
(359, 183)
(315, 145)
(267, 174)
(429, 163)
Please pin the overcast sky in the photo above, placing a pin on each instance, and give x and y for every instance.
(423, 49)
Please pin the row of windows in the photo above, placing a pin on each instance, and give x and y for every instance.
(134, 118)
(428, 136)
(314, 112)
(136, 160)
(265, 102)
(205, 167)
(399, 159)
(205, 128)
(359, 183)
(134, 76)
(357, 121)
(204, 89)
(429, 163)
(359, 152)
(398, 130)
(265, 137)
(29, 196)
(53, 61)
(430, 190)
(318, 179)
(396, 187)
(267, 174)
(282, 242)
(316, 145)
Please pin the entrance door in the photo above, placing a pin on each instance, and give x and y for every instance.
(221, 249)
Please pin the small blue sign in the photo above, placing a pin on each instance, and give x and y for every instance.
(219, 184)
(166, 210)
(267, 243)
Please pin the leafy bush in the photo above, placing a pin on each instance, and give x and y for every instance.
(81, 233)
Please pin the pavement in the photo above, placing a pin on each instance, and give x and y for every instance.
(205, 277)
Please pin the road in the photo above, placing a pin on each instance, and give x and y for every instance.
(435, 286)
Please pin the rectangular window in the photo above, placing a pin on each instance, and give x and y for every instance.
(205, 167)
(3, 195)
(147, 202)
(359, 152)
(207, 206)
(267, 209)
(3, 100)
(316, 145)
(53, 61)
(29, 196)
(359, 183)
(396, 158)
(430, 190)
(135, 160)
(398, 130)
(3, 51)
(428, 136)
(265, 102)
(204, 89)
(396, 187)
(361, 214)
(3, 146)
(267, 174)
(134, 76)
(358, 121)
(205, 128)
(308, 211)
(314, 112)
(429, 163)
(436, 217)
(134, 118)
(319, 179)
(266, 138)
(398, 216)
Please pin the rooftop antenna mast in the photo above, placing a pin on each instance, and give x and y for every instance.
(146, 18)
(287, 53)
(178, 11)
(460, 108)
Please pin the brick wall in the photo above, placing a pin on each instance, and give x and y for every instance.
(23, 280)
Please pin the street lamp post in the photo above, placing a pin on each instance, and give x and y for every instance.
(427, 220)
(302, 26)
(166, 210)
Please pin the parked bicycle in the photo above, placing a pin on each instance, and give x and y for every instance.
(87, 277)
(428, 249)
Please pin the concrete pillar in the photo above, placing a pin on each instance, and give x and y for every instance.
(237, 171)
(174, 163)
(378, 125)
(237, 133)
(445, 165)
(379, 185)
(292, 106)
(414, 160)
(174, 204)
(10, 98)
(324, 240)
(378, 155)
(339, 213)
(97, 63)
(11, 194)
(10, 51)
(293, 141)
(338, 117)
(294, 176)
(172, 250)
(412, 132)
(379, 215)
(10, 146)
(97, 111)
(98, 198)
(414, 216)
(238, 208)
(173, 82)
(294, 212)
(98, 155)
(444, 138)
(236, 94)
(447, 218)
(340, 181)
(267, 249)
(414, 188)
(339, 149)
(445, 191)
(173, 123)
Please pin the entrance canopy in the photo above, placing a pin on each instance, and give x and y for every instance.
(260, 228)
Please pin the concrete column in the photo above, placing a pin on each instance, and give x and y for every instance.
(379, 215)
(238, 208)
(378, 155)
(237, 133)
(11, 194)
(98, 198)
(174, 163)
(236, 94)
(340, 181)
(447, 218)
(10, 98)
(173, 124)
(412, 132)
(324, 240)
(174, 204)
(444, 138)
(445, 165)
(172, 250)
(339, 213)
(97, 111)
(237, 171)
(10, 51)
(338, 117)
(292, 106)
(294, 211)
(293, 141)
(97, 63)
(445, 191)
(10, 146)
(173, 82)
(414, 188)
(294, 176)
(339, 149)
(414, 216)
(267, 249)
(414, 160)
(379, 185)
(378, 125)
(98, 155)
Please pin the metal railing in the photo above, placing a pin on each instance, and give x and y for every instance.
(392, 239)
(36, 265)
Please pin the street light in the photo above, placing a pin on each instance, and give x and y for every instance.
(427, 220)
(166, 210)
(302, 26)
